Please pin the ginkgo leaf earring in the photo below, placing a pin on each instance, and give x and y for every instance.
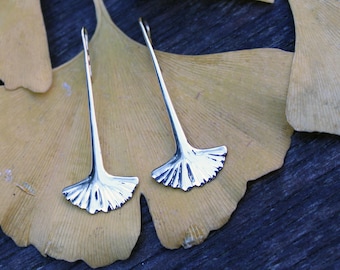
(189, 166)
(100, 191)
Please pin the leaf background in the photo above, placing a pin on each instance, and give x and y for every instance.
(299, 193)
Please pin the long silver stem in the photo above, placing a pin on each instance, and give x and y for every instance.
(97, 160)
(178, 131)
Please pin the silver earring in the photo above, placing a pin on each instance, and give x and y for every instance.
(100, 191)
(189, 166)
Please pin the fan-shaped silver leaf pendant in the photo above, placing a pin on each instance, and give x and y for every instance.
(189, 166)
(100, 191)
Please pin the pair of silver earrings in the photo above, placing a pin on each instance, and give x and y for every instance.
(189, 167)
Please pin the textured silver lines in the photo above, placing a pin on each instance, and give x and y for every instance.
(192, 168)
(101, 193)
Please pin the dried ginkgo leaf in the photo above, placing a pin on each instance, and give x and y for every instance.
(235, 99)
(24, 56)
(313, 102)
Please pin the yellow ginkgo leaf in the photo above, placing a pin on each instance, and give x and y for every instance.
(235, 99)
(313, 102)
(24, 55)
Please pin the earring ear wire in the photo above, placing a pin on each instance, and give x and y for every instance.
(146, 28)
